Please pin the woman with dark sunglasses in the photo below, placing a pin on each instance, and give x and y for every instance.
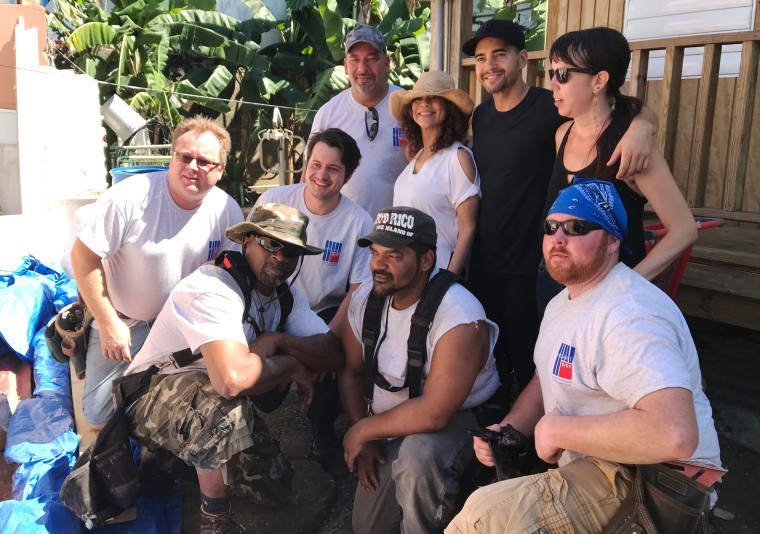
(441, 178)
(588, 67)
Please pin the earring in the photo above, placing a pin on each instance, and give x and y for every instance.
(595, 104)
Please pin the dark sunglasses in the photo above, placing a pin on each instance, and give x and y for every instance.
(273, 246)
(562, 73)
(571, 227)
(202, 163)
(371, 120)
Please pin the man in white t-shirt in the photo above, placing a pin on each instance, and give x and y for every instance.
(203, 412)
(406, 442)
(362, 112)
(335, 223)
(617, 383)
(146, 234)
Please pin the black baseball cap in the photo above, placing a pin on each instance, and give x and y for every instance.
(401, 226)
(507, 30)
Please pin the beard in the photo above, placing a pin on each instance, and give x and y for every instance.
(571, 271)
(385, 287)
(273, 273)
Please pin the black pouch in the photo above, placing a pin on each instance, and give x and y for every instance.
(662, 500)
(104, 481)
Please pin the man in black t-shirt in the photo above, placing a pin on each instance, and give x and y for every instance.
(514, 149)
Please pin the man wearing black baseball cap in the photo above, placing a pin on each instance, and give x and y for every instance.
(514, 149)
(406, 440)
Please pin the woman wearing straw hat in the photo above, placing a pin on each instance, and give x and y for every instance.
(441, 179)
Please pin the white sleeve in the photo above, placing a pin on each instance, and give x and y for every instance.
(104, 232)
(461, 186)
(654, 359)
(303, 321)
(206, 312)
(360, 270)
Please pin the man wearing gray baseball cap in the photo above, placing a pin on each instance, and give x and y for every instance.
(415, 374)
(362, 112)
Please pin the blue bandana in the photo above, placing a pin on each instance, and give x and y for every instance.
(593, 201)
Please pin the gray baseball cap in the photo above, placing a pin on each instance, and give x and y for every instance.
(364, 33)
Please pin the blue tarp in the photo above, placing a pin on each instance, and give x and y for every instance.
(40, 433)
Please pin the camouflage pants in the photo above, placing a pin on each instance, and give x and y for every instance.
(183, 414)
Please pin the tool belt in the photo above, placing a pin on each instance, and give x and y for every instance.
(66, 336)
(104, 481)
(662, 500)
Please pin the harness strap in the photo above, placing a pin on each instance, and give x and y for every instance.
(422, 318)
(234, 263)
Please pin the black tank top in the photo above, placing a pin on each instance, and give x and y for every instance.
(632, 201)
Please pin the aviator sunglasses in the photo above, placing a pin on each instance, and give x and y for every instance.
(571, 227)
(202, 163)
(371, 120)
(273, 246)
(563, 72)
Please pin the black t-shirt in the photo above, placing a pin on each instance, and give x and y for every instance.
(514, 151)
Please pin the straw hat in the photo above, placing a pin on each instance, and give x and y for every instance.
(431, 83)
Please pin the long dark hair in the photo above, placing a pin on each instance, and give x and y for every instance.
(602, 49)
(454, 128)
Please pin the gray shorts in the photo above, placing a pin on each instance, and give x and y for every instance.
(183, 414)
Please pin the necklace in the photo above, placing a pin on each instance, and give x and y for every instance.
(259, 325)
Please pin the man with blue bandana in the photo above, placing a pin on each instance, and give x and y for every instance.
(617, 383)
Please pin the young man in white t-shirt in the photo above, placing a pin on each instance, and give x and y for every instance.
(617, 383)
(335, 224)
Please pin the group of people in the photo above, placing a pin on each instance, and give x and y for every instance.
(372, 315)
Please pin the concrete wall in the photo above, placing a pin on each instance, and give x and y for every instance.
(59, 156)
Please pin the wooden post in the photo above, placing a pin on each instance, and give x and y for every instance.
(703, 124)
(637, 87)
(671, 90)
(461, 31)
(741, 126)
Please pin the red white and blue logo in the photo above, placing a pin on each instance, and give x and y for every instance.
(563, 364)
(331, 255)
(213, 248)
(399, 139)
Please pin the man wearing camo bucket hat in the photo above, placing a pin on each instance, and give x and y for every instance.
(215, 369)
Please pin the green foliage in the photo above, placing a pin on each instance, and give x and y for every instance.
(535, 31)
(173, 58)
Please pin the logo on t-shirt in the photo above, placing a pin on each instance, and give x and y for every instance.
(399, 139)
(563, 364)
(331, 255)
(213, 248)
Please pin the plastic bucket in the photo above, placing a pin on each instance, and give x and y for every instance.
(120, 173)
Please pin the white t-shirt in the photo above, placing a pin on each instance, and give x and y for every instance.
(438, 189)
(383, 158)
(458, 306)
(620, 341)
(324, 278)
(148, 243)
(208, 306)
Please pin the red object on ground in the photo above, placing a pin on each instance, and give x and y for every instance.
(670, 279)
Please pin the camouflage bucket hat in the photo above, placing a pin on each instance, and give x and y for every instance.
(277, 221)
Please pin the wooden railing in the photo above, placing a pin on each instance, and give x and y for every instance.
(735, 185)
